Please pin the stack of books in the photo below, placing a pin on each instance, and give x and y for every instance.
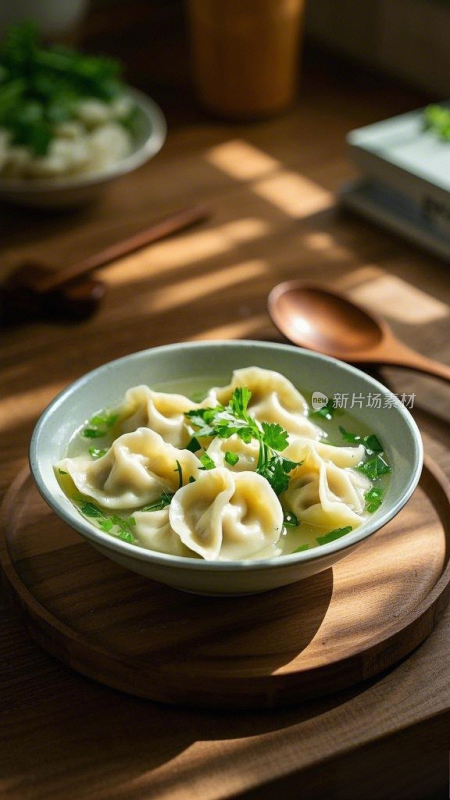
(405, 180)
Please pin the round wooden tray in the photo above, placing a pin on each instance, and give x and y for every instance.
(314, 637)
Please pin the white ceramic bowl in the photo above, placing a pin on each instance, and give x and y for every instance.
(149, 133)
(106, 386)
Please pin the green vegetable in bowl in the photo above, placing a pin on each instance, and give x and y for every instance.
(41, 86)
(437, 119)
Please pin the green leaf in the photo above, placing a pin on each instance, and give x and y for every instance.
(374, 467)
(164, 500)
(91, 510)
(326, 412)
(231, 458)
(179, 469)
(374, 499)
(239, 401)
(290, 520)
(275, 473)
(97, 452)
(93, 433)
(104, 418)
(275, 436)
(373, 444)
(301, 548)
(194, 445)
(207, 462)
(370, 442)
(332, 535)
(436, 119)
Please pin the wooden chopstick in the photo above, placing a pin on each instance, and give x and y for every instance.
(41, 279)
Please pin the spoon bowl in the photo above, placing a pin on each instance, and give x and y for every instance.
(328, 322)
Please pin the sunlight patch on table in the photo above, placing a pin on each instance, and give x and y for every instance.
(399, 300)
(180, 251)
(241, 160)
(234, 330)
(324, 242)
(19, 408)
(204, 285)
(294, 194)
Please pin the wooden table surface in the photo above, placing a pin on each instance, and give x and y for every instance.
(271, 191)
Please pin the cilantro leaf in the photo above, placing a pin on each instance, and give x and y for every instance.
(275, 436)
(275, 471)
(371, 442)
(290, 520)
(231, 458)
(99, 425)
(194, 445)
(374, 467)
(93, 433)
(179, 469)
(326, 412)
(97, 452)
(239, 401)
(374, 499)
(109, 523)
(335, 534)
(91, 510)
(164, 500)
(207, 462)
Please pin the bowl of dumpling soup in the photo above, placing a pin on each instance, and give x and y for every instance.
(226, 467)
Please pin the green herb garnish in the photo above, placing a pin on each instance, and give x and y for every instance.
(110, 523)
(224, 421)
(374, 499)
(371, 442)
(207, 462)
(97, 452)
(335, 534)
(374, 467)
(436, 118)
(290, 520)
(99, 425)
(300, 548)
(326, 412)
(179, 469)
(194, 445)
(231, 458)
(164, 500)
(40, 86)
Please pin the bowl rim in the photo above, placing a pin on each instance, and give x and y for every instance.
(100, 538)
(136, 158)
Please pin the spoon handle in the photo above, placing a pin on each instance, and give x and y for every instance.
(405, 357)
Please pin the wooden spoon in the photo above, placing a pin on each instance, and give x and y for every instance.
(319, 319)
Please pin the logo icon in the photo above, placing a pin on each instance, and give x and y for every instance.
(318, 400)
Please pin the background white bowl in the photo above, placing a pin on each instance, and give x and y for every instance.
(149, 133)
(106, 386)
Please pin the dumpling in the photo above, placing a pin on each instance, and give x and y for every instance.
(154, 532)
(247, 452)
(160, 411)
(340, 456)
(137, 468)
(324, 494)
(227, 516)
(274, 399)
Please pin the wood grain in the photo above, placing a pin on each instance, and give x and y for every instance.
(315, 637)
